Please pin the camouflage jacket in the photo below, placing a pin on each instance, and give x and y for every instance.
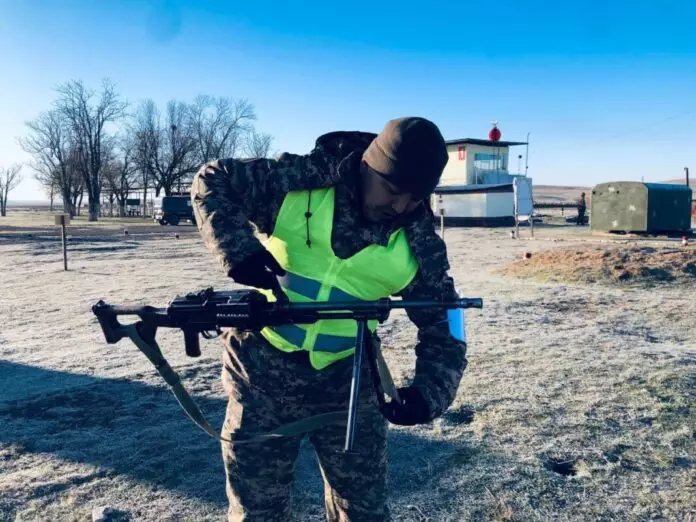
(234, 199)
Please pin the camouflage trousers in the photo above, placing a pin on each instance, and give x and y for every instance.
(268, 388)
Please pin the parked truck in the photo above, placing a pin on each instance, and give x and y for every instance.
(175, 209)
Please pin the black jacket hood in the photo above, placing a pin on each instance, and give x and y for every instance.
(339, 144)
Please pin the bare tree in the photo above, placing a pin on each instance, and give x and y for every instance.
(219, 126)
(120, 171)
(143, 128)
(9, 180)
(73, 150)
(87, 123)
(258, 144)
(50, 146)
(52, 189)
(49, 182)
(143, 177)
(76, 174)
(165, 150)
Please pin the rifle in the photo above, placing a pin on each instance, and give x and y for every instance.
(207, 311)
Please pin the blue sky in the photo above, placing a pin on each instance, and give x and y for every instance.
(606, 89)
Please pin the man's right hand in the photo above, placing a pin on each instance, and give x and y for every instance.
(260, 270)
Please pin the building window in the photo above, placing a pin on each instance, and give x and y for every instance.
(488, 161)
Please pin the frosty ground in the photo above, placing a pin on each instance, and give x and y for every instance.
(578, 402)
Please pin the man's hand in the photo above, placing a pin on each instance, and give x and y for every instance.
(260, 270)
(412, 411)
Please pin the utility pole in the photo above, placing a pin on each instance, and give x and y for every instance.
(526, 156)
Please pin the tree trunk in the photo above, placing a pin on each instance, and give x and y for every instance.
(75, 205)
(68, 205)
(145, 180)
(51, 196)
(79, 204)
(93, 210)
(145, 198)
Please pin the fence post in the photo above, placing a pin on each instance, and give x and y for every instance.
(63, 220)
(515, 198)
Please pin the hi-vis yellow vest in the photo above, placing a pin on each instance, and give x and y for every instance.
(316, 274)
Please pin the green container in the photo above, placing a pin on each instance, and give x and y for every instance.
(631, 206)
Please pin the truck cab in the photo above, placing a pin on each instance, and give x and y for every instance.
(174, 209)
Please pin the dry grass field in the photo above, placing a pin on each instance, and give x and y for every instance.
(559, 193)
(579, 403)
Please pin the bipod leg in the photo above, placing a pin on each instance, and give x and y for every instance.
(355, 385)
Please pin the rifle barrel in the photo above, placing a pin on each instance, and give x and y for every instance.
(348, 307)
(383, 304)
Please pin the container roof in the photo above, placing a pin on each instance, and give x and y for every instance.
(649, 186)
(486, 143)
(667, 186)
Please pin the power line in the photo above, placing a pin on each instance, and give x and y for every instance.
(653, 124)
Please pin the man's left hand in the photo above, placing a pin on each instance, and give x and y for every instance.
(412, 410)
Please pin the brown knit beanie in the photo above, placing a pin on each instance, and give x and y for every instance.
(411, 152)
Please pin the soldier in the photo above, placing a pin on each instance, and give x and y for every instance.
(349, 220)
(582, 207)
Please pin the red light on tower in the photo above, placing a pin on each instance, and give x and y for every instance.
(494, 134)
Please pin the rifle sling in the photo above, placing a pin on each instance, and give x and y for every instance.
(152, 351)
(384, 375)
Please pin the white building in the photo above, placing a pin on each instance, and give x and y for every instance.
(477, 189)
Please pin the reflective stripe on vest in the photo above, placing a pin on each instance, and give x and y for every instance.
(324, 342)
(309, 288)
(296, 335)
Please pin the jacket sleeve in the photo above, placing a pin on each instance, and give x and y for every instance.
(226, 196)
(440, 358)
(233, 199)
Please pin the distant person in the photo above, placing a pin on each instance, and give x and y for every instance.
(582, 207)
